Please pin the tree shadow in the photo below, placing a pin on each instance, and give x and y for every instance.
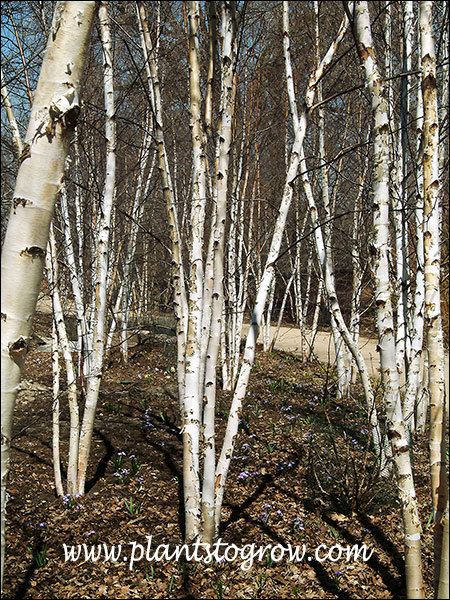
(103, 464)
(394, 583)
(24, 585)
(33, 455)
(238, 512)
(169, 462)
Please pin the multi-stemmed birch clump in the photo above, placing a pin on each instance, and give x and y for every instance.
(201, 106)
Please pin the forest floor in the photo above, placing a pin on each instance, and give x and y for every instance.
(288, 340)
(302, 474)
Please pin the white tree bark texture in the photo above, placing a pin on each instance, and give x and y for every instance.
(53, 118)
(379, 247)
(101, 267)
(433, 320)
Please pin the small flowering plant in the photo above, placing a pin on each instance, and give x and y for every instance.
(269, 511)
(118, 460)
(286, 465)
(125, 473)
(92, 536)
(244, 475)
(72, 505)
(170, 373)
(37, 544)
(298, 527)
(148, 418)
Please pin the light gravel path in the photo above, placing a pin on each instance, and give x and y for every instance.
(289, 340)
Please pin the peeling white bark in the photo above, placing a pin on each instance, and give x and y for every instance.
(101, 267)
(384, 311)
(433, 320)
(52, 120)
(209, 525)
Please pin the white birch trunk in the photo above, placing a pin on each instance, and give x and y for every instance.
(58, 316)
(101, 267)
(76, 280)
(225, 130)
(405, 117)
(52, 121)
(433, 322)
(179, 299)
(414, 404)
(235, 237)
(384, 314)
(396, 162)
(52, 278)
(192, 384)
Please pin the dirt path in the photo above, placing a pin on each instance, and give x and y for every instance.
(289, 340)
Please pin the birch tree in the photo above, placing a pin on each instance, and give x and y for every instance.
(63, 342)
(193, 368)
(195, 358)
(414, 406)
(324, 258)
(228, 64)
(433, 322)
(384, 311)
(178, 278)
(265, 283)
(53, 118)
(101, 267)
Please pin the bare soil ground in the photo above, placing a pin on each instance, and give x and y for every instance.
(303, 473)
